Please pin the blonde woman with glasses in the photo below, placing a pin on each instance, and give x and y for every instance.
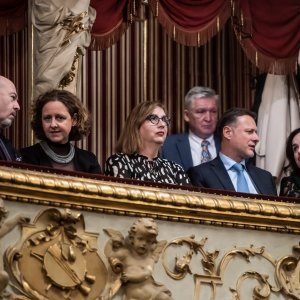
(138, 148)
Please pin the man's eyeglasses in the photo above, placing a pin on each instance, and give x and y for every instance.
(154, 119)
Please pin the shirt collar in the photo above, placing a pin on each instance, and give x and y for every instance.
(228, 162)
(199, 140)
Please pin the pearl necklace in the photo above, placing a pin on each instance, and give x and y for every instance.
(61, 159)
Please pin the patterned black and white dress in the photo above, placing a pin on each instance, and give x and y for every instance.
(290, 186)
(139, 167)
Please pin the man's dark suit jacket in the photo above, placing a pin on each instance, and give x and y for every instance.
(177, 148)
(9, 148)
(213, 175)
(84, 161)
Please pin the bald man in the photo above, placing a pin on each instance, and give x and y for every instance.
(8, 110)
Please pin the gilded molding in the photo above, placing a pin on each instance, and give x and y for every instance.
(166, 204)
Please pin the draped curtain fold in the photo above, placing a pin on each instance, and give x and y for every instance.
(113, 18)
(269, 32)
(13, 16)
(191, 22)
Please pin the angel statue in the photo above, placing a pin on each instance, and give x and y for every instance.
(132, 260)
(5, 227)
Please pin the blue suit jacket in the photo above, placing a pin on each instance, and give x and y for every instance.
(177, 148)
(213, 175)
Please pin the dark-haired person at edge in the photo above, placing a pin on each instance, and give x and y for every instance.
(290, 185)
(8, 110)
(230, 170)
(138, 148)
(59, 118)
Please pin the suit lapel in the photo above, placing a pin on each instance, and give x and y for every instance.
(221, 173)
(183, 147)
(258, 182)
(217, 143)
(5, 155)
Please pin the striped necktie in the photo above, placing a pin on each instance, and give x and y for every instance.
(205, 156)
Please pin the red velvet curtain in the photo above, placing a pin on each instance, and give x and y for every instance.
(191, 22)
(113, 18)
(269, 32)
(13, 16)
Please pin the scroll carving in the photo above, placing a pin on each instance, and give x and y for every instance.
(286, 270)
(288, 274)
(132, 260)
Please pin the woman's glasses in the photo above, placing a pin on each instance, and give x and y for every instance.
(154, 119)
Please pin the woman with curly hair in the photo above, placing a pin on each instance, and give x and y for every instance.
(58, 119)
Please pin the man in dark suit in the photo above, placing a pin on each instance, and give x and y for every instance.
(200, 143)
(238, 132)
(8, 109)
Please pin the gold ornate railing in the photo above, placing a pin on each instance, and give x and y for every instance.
(105, 194)
(210, 245)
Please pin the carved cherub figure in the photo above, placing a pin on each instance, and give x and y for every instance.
(134, 258)
(5, 227)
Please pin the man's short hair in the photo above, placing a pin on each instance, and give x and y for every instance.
(230, 117)
(199, 92)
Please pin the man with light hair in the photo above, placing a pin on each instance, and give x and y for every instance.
(8, 110)
(200, 144)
